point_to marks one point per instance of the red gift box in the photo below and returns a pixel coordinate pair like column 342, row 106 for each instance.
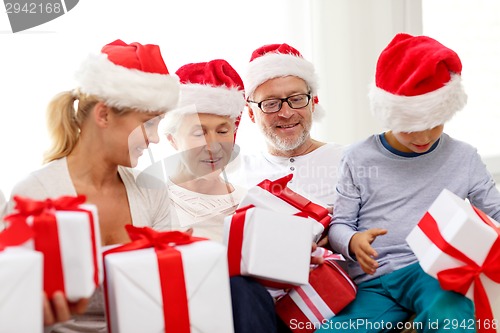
column 306, row 307
column 277, row 196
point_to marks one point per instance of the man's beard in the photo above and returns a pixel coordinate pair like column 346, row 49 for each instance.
column 286, row 144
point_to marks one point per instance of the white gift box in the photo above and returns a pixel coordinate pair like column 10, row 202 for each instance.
column 461, row 227
column 274, row 246
column 21, row 291
column 79, row 251
column 135, row 298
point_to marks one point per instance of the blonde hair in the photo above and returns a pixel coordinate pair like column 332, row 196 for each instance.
column 64, row 121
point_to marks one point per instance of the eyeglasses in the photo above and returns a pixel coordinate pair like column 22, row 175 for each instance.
column 273, row 105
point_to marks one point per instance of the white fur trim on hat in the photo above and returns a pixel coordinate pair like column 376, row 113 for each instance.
column 273, row 65
column 418, row 113
column 319, row 112
column 121, row 87
column 220, row 101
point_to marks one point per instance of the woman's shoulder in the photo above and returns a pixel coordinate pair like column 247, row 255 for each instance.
column 143, row 186
column 47, row 181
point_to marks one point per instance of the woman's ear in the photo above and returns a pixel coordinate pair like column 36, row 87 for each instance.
column 171, row 139
column 101, row 114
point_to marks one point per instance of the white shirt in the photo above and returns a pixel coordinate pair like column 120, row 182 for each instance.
column 204, row 213
column 314, row 174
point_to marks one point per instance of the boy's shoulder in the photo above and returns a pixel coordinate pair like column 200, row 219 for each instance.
column 373, row 141
column 366, row 144
column 460, row 145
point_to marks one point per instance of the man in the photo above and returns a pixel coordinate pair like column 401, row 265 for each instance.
column 281, row 91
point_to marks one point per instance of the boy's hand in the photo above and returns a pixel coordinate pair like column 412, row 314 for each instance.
column 360, row 246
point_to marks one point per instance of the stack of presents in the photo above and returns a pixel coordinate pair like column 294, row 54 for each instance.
column 166, row 281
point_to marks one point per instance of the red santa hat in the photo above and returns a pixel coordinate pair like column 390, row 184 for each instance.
column 129, row 76
column 417, row 84
column 280, row 60
column 212, row 87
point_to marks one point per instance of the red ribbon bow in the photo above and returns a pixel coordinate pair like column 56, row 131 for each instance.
column 461, row 278
column 26, row 206
column 16, row 233
column 46, row 236
column 173, row 285
column 279, row 189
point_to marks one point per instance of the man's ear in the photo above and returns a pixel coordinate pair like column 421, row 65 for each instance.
column 171, row 139
column 251, row 114
column 101, row 114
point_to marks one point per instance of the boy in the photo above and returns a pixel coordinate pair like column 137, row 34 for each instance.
column 387, row 183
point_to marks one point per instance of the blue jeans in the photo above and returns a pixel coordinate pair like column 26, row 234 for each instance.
column 253, row 306
column 385, row 303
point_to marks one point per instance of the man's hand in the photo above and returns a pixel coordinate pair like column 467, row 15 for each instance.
column 58, row 309
column 316, row 260
column 360, row 246
column 323, row 242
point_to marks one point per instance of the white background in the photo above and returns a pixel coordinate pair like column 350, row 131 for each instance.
column 38, row 63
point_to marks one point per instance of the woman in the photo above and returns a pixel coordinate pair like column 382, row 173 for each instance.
column 202, row 131
column 122, row 94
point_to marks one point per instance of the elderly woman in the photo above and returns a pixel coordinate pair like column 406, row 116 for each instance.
column 202, row 131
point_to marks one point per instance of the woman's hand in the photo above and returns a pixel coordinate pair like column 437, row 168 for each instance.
column 58, row 309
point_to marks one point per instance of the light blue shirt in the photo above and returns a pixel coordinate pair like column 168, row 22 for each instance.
column 378, row 188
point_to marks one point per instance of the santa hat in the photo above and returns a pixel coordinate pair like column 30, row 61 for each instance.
column 417, row 84
column 212, row 87
column 129, row 76
column 280, row 60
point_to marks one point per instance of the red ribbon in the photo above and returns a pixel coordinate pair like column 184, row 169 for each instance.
column 173, row 285
column 235, row 241
column 279, row 189
column 461, row 278
column 16, row 233
column 46, row 236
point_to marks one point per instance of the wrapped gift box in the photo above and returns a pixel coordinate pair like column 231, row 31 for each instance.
column 134, row 287
column 66, row 232
column 276, row 196
column 21, row 291
column 305, row 308
column 271, row 246
column 455, row 238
